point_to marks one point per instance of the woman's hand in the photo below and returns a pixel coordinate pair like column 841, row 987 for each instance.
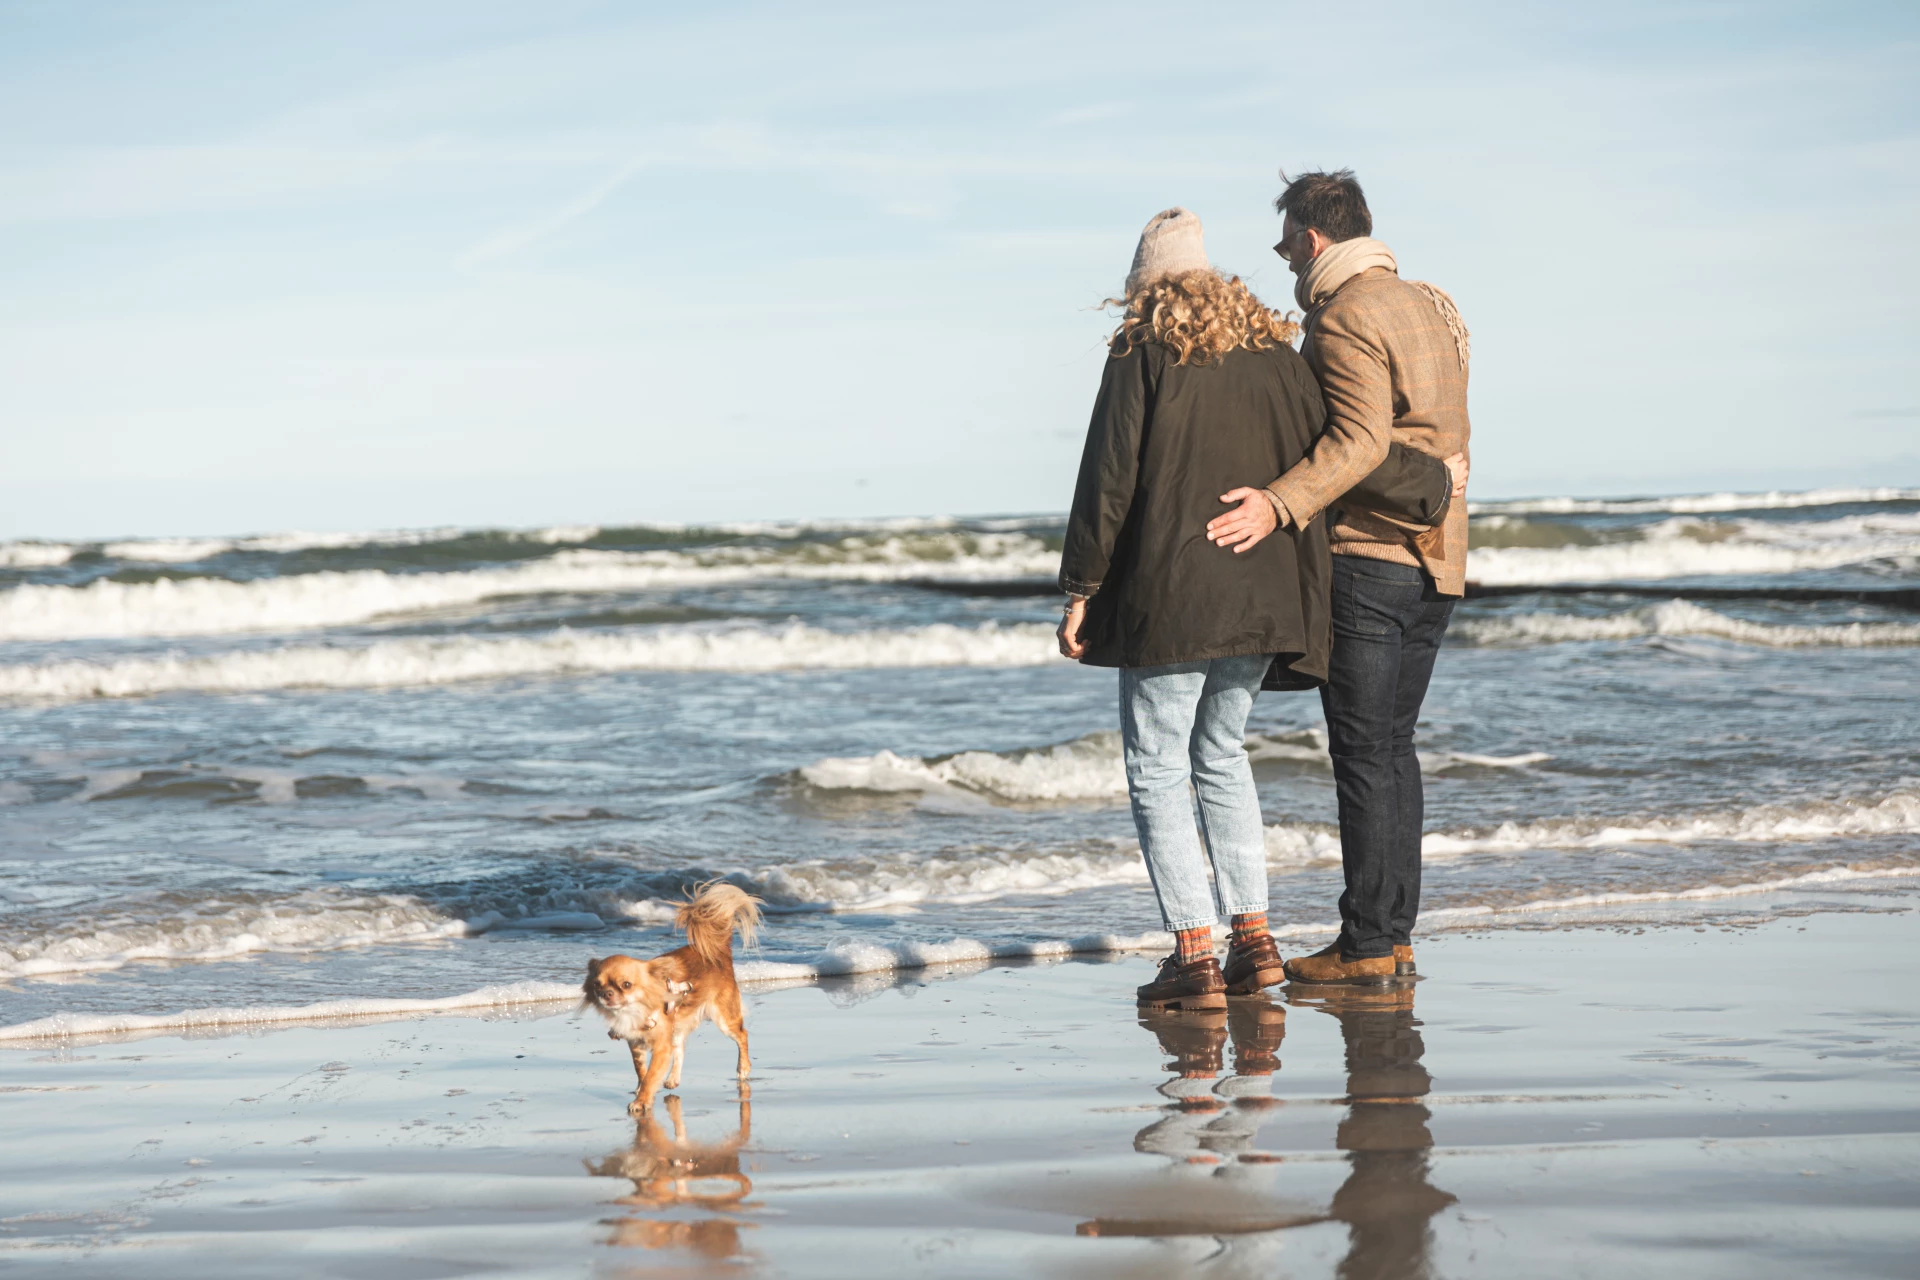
column 1071, row 646
column 1457, row 467
column 1243, row 527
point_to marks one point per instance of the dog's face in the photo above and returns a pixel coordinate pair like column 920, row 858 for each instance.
column 621, row 985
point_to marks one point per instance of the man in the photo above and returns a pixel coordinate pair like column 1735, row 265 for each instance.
column 1391, row 360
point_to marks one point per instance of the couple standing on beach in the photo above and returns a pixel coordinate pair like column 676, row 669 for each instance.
column 1335, row 566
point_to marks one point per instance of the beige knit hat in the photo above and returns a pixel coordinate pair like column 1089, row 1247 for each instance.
column 1170, row 246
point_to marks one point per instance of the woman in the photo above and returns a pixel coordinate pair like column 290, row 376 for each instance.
column 1202, row 393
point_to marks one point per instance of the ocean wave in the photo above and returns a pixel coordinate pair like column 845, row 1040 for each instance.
column 419, row 661
column 1896, row 814
column 858, row 958
column 226, row 928
column 1679, row 618
column 1084, row 769
column 1087, row 768
column 1697, row 503
column 1677, row 553
column 595, row 896
column 213, row 606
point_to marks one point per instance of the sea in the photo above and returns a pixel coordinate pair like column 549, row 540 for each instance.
column 272, row 776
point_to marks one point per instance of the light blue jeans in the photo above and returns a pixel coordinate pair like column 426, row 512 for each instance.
column 1181, row 724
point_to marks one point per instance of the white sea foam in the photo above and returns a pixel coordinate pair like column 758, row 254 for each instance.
column 427, row 661
column 1697, row 503
column 1680, row 618
column 852, row 959
column 1083, row 769
column 1688, row 548
column 34, row 555
column 1896, row 814
column 71, row 1025
column 1443, row 916
column 210, row 606
column 1089, row 768
column 318, row 920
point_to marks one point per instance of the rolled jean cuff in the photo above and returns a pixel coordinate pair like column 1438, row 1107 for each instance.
column 1196, row 923
column 1254, row 909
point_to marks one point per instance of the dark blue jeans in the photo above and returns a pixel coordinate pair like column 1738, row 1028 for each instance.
column 1387, row 626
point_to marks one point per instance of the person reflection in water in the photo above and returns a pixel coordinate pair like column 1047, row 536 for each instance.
column 1386, row 1200
column 669, row 1171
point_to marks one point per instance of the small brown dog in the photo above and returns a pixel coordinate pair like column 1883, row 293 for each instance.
column 654, row 1005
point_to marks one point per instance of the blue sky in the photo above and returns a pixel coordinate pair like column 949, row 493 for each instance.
column 271, row 265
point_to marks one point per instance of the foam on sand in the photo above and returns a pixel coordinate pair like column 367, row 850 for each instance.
column 1680, row 618
column 433, row 661
column 853, row 959
column 213, row 606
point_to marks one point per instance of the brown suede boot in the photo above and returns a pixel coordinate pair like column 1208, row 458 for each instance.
column 1327, row 965
column 1403, row 962
column 1186, row 987
column 1252, row 963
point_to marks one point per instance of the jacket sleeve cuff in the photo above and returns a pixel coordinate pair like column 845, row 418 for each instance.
column 1293, row 498
column 1075, row 587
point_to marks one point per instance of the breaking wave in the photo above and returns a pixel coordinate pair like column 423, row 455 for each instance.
column 389, row 663
column 214, row 606
column 1689, row 548
column 598, row 896
column 1695, row 504
column 1897, row 814
column 1088, row 768
column 1680, row 618
column 852, row 959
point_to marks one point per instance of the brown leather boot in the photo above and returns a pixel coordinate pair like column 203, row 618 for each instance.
column 1252, row 964
column 1326, row 965
column 1186, row 987
column 1403, row 962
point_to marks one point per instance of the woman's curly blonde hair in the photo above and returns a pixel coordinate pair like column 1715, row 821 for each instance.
column 1199, row 316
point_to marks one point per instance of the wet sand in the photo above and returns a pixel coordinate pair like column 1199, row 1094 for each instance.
column 1735, row 1103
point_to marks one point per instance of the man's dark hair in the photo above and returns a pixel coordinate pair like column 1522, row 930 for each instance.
column 1330, row 203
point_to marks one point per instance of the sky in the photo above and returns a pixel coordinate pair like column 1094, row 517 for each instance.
column 271, row 265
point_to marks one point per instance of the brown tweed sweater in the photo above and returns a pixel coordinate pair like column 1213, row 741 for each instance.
column 1390, row 370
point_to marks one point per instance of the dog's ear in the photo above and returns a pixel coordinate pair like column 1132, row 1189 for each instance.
column 593, row 967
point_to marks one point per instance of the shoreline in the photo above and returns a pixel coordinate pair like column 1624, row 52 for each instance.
column 871, row 959
column 1741, row 1103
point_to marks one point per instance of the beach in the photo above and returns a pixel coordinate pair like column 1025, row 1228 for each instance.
column 306, row 839
column 1737, row 1101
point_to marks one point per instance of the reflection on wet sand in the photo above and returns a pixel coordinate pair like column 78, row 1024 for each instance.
column 1386, row 1201
column 669, row 1171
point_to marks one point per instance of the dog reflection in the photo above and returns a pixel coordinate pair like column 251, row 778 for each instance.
column 668, row 1170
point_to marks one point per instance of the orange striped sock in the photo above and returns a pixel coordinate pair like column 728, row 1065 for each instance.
column 1194, row 944
column 1250, row 925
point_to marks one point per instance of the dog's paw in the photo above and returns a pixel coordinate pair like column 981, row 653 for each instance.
column 639, row 1107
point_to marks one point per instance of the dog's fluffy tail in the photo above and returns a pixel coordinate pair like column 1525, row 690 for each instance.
column 713, row 913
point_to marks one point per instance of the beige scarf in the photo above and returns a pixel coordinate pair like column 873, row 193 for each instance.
column 1341, row 262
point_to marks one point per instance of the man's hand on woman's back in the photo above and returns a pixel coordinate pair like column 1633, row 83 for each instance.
column 1251, row 519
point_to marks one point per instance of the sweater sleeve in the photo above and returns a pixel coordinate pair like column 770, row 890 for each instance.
column 1109, row 469
column 1351, row 365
